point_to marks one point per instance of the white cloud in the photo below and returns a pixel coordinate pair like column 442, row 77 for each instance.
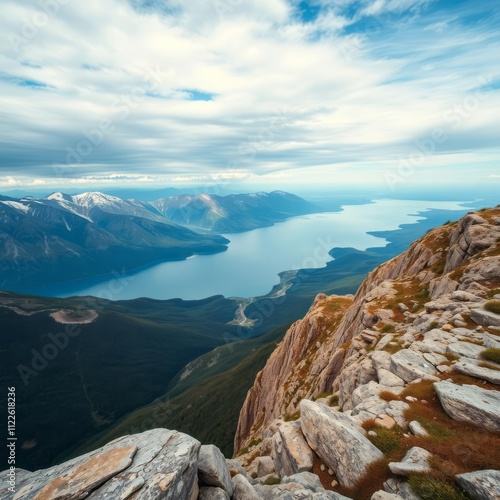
column 287, row 95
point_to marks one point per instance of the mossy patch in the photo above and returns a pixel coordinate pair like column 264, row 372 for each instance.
column 430, row 488
column 491, row 354
column 493, row 306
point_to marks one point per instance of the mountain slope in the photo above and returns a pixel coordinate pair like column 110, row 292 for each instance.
column 233, row 213
column 66, row 237
column 209, row 419
column 423, row 317
column 81, row 364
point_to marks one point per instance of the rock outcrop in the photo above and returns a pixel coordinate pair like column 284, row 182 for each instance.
column 469, row 403
column 291, row 451
column 279, row 389
column 421, row 320
column 338, row 441
column 484, row 484
column 155, row 464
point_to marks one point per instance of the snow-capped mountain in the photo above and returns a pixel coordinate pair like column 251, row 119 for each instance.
column 61, row 237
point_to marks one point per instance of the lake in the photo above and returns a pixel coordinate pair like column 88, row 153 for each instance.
column 251, row 265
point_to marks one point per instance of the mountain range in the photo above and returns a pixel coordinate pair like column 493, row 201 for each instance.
column 233, row 213
column 63, row 237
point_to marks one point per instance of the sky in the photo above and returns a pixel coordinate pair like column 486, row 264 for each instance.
column 272, row 92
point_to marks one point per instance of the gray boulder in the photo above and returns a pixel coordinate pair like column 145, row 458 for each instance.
column 338, row 441
column 243, row 490
column 484, row 317
column 469, row 403
column 388, row 379
column 296, row 491
column 410, row 365
column 155, row 464
column 213, row 469
column 474, row 370
column 265, row 466
column 417, row 430
column 465, row 349
column 291, row 451
column 308, row 480
column 208, row 493
column 481, row 485
column 416, row 461
column 491, row 341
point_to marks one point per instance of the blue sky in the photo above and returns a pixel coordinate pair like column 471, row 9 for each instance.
column 269, row 92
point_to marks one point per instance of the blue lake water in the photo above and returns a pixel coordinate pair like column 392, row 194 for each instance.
column 251, row 265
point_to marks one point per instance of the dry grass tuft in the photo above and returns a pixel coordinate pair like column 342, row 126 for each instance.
column 389, row 396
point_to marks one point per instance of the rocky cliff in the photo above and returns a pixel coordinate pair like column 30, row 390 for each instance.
column 389, row 394
column 394, row 382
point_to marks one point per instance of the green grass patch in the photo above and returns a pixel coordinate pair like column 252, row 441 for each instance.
column 291, row 417
column 430, row 488
column 272, row 480
column 333, row 400
column 322, row 395
column 492, row 354
column 387, row 440
column 254, row 442
column 388, row 328
column 493, row 306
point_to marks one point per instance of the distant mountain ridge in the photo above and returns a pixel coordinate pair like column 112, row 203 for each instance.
column 60, row 236
column 43, row 240
column 235, row 212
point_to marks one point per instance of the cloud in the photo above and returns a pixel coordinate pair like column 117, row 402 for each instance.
column 169, row 91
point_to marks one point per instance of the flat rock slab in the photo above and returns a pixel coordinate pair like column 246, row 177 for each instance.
column 477, row 371
column 491, row 341
column 338, row 441
column 155, row 464
column 484, row 317
column 468, row 403
column 88, row 476
column 481, row 485
column 410, row 365
column 465, row 349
